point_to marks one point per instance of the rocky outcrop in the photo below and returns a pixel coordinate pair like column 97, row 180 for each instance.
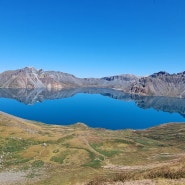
column 160, row 84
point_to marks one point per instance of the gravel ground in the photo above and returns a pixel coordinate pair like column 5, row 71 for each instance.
column 10, row 177
column 150, row 182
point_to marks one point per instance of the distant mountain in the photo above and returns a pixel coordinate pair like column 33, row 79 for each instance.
column 157, row 84
column 30, row 78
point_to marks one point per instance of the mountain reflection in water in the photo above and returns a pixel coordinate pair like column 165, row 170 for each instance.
column 165, row 104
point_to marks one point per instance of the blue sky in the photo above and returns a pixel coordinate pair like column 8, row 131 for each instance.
column 93, row 38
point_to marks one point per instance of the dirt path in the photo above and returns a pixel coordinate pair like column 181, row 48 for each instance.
column 143, row 167
column 139, row 167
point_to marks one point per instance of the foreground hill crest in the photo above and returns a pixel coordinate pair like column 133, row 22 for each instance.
column 157, row 84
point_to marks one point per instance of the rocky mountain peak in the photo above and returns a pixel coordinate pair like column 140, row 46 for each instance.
column 160, row 73
column 30, row 70
column 127, row 77
column 181, row 74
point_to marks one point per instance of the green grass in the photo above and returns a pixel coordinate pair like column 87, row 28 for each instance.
column 24, row 167
column 14, row 145
column 95, row 161
column 106, row 153
column 37, row 164
column 60, row 158
column 93, row 164
column 16, row 161
column 63, row 139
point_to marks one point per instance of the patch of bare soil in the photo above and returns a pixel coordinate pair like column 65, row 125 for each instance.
column 144, row 167
column 11, row 177
column 149, row 182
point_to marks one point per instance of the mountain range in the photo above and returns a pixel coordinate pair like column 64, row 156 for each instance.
column 157, row 84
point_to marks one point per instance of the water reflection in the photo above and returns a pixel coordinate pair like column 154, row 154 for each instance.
column 166, row 104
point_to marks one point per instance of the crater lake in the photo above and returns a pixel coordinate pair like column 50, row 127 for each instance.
column 97, row 108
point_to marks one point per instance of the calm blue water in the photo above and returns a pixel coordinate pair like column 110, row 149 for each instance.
column 92, row 109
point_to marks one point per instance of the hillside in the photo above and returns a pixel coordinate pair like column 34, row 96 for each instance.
column 36, row 153
column 160, row 84
column 30, row 78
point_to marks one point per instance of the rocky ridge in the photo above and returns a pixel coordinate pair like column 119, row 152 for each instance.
column 30, row 78
column 160, row 84
column 157, row 84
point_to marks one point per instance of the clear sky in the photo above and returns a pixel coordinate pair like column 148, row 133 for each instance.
column 93, row 38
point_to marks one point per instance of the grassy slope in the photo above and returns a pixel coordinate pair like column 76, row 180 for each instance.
column 78, row 154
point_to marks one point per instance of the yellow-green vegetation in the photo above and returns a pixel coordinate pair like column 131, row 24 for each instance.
column 77, row 154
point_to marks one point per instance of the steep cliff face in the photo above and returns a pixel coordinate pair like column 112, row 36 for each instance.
column 120, row 82
column 160, row 84
column 31, row 78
